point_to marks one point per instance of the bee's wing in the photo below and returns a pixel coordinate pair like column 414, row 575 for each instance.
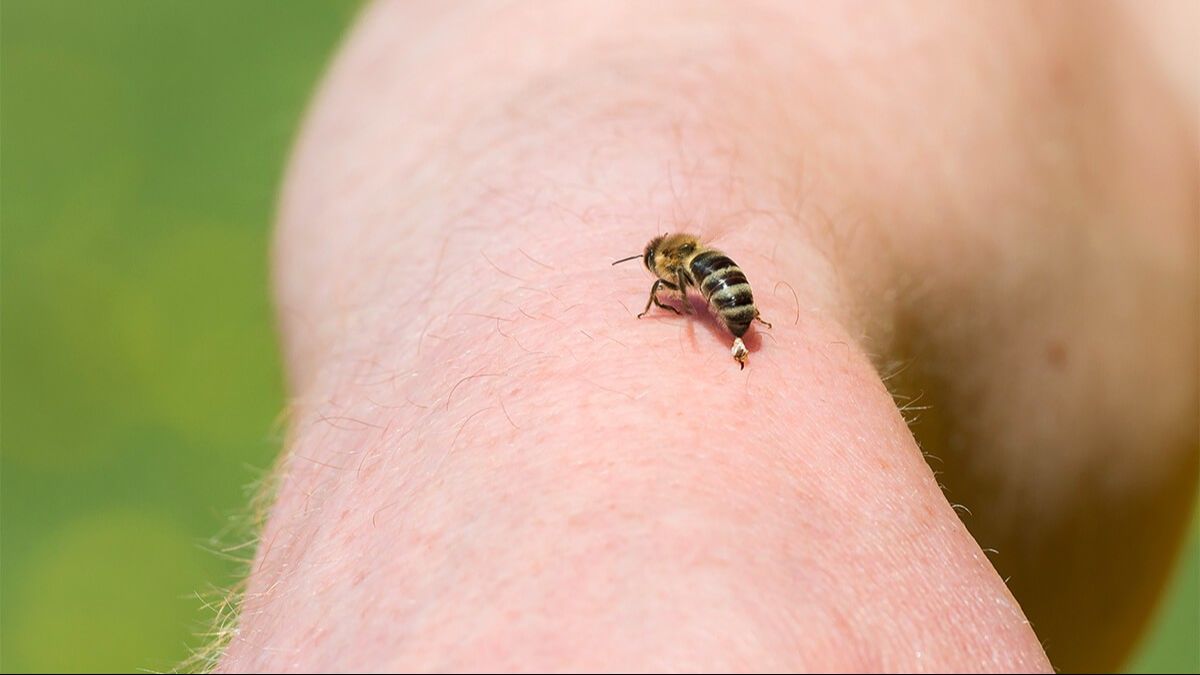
column 715, row 227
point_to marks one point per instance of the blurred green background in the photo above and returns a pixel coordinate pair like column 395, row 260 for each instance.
column 141, row 147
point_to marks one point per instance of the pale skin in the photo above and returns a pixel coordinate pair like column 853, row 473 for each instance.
column 493, row 464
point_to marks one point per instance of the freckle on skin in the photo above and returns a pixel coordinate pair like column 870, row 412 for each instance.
column 1056, row 353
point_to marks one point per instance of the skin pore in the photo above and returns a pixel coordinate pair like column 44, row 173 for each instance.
column 977, row 219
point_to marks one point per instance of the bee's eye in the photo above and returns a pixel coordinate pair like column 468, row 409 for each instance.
column 650, row 259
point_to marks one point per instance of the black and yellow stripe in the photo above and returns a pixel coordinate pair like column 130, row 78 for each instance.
column 725, row 288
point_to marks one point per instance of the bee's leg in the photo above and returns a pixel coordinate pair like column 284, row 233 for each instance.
column 671, row 286
column 654, row 298
column 681, row 281
column 758, row 318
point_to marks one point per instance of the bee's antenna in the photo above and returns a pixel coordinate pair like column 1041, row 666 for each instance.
column 632, row 257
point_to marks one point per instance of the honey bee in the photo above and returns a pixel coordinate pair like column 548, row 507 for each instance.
column 680, row 261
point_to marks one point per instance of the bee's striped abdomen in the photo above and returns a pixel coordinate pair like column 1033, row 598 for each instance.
column 725, row 288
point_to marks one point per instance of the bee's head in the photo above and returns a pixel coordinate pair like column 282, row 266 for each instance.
column 651, row 250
